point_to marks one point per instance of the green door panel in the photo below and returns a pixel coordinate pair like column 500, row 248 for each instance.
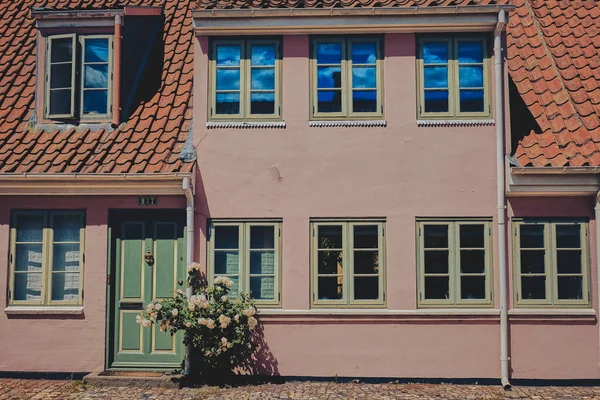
column 138, row 282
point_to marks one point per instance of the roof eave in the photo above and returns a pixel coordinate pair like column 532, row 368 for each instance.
column 20, row 184
column 347, row 20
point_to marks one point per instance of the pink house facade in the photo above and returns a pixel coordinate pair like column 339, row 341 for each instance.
column 368, row 172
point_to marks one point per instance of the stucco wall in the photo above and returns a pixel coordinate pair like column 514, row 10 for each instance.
column 399, row 172
column 63, row 343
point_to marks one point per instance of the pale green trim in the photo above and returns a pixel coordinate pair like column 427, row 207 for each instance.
column 454, row 272
column 245, row 91
column 243, row 249
column 550, row 263
column 347, row 249
column 48, row 75
column 109, row 98
column 47, row 259
column 453, row 78
column 346, row 43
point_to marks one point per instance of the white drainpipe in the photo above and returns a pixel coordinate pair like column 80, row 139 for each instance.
column 189, row 211
column 597, row 217
column 502, row 265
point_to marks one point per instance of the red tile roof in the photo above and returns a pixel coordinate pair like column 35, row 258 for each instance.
column 150, row 141
column 228, row 4
column 554, row 62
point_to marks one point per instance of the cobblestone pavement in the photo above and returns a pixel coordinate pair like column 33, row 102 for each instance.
column 68, row 390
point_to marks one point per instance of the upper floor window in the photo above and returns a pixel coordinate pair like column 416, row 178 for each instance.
column 248, row 253
column 78, row 77
column 46, row 258
column 551, row 263
column 245, row 79
column 454, row 263
column 453, row 79
column 346, row 78
column 347, row 263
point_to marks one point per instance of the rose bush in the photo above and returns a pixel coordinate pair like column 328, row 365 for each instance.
column 218, row 327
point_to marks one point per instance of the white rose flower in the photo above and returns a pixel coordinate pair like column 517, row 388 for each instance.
column 188, row 324
column 252, row 322
column 146, row 323
column 224, row 299
column 223, row 340
column 174, row 312
column 157, row 306
column 236, row 318
column 210, row 324
column 150, row 307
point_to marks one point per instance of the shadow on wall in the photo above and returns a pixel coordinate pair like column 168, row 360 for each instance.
column 263, row 362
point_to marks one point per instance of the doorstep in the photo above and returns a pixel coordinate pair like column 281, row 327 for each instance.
column 142, row 379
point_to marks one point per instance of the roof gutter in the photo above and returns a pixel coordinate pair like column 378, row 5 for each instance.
column 555, row 170
column 346, row 20
column 330, row 12
column 91, row 184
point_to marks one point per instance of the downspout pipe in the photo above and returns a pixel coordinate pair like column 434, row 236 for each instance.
column 189, row 256
column 501, row 207
column 597, row 221
column 116, row 86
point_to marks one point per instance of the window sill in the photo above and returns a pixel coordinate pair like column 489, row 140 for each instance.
column 455, row 122
column 43, row 310
column 342, row 123
column 245, row 124
column 558, row 312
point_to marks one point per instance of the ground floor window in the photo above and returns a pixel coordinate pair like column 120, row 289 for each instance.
column 347, row 263
column 46, row 257
column 551, row 262
column 248, row 253
column 454, row 262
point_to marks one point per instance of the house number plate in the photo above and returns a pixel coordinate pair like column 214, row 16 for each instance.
column 148, row 201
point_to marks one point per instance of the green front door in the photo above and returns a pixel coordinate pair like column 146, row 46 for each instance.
column 137, row 280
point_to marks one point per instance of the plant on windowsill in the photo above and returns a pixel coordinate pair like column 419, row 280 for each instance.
column 220, row 329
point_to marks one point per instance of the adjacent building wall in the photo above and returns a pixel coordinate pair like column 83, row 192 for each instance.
column 59, row 343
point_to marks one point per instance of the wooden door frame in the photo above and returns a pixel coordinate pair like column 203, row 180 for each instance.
column 117, row 216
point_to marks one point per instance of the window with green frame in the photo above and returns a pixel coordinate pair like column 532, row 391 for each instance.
column 551, row 263
column 453, row 77
column 88, row 57
column 245, row 79
column 346, row 78
column 454, row 263
column 46, row 258
column 347, row 263
column 248, row 253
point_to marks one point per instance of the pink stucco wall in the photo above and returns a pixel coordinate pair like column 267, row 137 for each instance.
column 399, row 172
column 62, row 343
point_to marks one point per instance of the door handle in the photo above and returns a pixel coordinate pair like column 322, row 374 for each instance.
column 131, row 306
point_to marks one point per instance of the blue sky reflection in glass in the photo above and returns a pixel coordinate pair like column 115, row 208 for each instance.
column 435, row 76
column 470, row 76
column 228, row 79
column 95, row 76
column 364, row 76
column 329, row 77
column 262, row 79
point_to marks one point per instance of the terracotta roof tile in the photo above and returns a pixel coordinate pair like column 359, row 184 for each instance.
column 565, row 100
column 27, row 147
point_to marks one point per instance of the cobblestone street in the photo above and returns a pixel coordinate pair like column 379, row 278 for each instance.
column 50, row 389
